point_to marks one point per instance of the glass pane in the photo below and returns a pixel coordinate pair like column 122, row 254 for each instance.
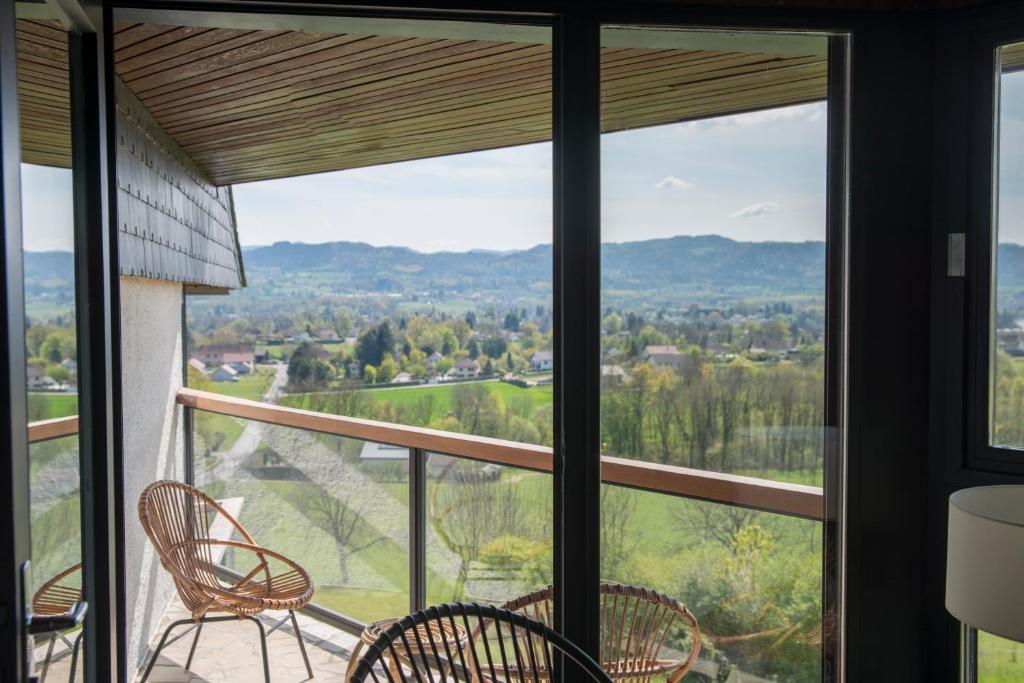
column 713, row 337
column 1007, row 428
column 488, row 531
column 338, row 507
column 414, row 288
column 999, row 660
column 50, row 336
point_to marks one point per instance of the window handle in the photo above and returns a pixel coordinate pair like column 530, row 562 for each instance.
column 58, row 622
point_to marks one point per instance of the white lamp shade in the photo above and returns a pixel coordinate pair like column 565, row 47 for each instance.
column 985, row 559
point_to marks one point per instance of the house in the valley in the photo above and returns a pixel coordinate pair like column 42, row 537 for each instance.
column 38, row 379
column 465, row 369
column 433, row 358
column 543, row 360
column 666, row 356
column 197, row 365
column 401, row 378
column 612, row 375
column 219, row 354
column 328, row 336
column 225, row 373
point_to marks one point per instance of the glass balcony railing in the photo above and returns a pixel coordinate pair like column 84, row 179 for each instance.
column 389, row 518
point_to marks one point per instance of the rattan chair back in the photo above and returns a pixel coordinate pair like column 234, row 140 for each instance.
column 635, row 622
column 502, row 646
column 60, row 593
column 177, row 519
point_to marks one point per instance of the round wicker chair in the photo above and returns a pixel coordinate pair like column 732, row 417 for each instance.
column 57, row 596
column 506, row 646
column 177, row 519
column 634, row 624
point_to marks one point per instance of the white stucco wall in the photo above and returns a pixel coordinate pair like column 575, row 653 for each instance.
column 151, row 365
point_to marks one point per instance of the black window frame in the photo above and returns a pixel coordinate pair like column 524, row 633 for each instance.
column 985, row 72
column 576, row 206
column 576, row 268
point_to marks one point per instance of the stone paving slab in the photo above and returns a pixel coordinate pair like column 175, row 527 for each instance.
column 230, row 652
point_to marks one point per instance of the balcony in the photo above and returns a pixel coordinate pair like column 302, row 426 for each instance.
column 386, row 530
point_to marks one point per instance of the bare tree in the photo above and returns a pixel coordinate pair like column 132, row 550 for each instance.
column 470, row 508
column 618, row 540
column 341, row 519
column 709, row 521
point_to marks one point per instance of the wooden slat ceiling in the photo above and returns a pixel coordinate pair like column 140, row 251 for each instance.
column 255, row 104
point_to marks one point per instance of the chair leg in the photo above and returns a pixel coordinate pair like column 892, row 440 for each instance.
column 74, row 657
column 192, row 650
column 46, row 660
column 302, row 645
column 163, row 640
column 263, row 647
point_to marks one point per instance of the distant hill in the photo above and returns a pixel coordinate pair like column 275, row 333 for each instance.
column 707, row 263
column 708, row 266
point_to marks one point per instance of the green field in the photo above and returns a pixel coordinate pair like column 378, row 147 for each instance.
column 999, row 660
column 520, row 401
column 284, row 351
column 48, row 406
column 210, row 426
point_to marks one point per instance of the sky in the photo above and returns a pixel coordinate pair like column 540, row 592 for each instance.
column 758, row 176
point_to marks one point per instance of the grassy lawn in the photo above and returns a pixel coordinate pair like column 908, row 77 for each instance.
column 210, row 426
column 999, row 660
column 251, row 387
column 47, row 406
column 519, row 401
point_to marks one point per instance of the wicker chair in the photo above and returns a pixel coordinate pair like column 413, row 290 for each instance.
column 634, row 624
column 59, row 596
column 506, row 647
column 177, row 519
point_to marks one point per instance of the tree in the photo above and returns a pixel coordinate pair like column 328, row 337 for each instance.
column 495, row 347
column 618, row 543
column 469, row 509
column 305, row 370
column 443, row 365
column 474, row 349
column 387, row 370
column 471, row 319
column 370, row 374
column 511, row 322
column 58, row 373
column 612, row 323
column 341, row 519
column 373, row 344
column 50, row 349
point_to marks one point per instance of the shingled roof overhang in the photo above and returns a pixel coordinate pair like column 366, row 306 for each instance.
column 251, row 100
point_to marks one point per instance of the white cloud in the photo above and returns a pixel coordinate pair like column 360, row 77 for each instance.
column 811, row 113
column 670, row 182
column 754, row 210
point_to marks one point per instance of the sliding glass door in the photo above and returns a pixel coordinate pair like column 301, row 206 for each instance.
column 716, row 324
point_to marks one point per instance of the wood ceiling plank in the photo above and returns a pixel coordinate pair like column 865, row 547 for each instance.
column 137, row 33
column 520, row 73
column 171, row 40
column 243, row 63
column 366, row 79
column 394, row 109
column 477, row 118
column 306, row 98
column 285, row 77
column 213, row 42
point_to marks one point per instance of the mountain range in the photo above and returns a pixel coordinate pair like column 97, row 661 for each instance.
column 709, row 266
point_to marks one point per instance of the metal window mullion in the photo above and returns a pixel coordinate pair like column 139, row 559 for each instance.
column 417, row 529
column 577, row 300
column 96, row 294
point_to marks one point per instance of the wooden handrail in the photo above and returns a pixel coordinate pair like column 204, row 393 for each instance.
column 795, row 500
column 45, row 430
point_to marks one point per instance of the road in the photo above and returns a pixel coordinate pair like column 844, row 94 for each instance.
column 229, row 465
